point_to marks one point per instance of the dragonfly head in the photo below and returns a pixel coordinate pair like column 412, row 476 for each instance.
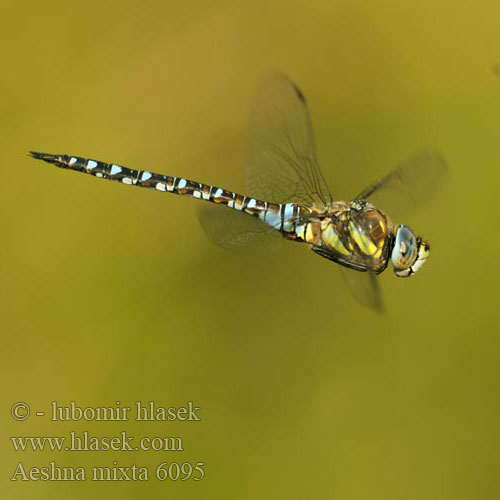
column 409, row 252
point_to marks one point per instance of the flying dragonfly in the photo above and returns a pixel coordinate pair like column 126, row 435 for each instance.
column 290, row 197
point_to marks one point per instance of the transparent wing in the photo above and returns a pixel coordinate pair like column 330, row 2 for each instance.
column 412, row 183
column 236, row 231
column 282, row 164
column 364, row 287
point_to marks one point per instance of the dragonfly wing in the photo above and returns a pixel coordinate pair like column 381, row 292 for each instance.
column 282, row 165
column 236, row 231
column 364, row 287
column 412, row 183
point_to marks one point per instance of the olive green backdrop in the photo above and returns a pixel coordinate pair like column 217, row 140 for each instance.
column 110, row 293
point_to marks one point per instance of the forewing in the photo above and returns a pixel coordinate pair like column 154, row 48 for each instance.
column 364, row 287
column 282, row 164
column 412, row 183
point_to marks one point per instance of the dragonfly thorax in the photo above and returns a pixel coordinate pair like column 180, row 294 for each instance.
column 355, row 234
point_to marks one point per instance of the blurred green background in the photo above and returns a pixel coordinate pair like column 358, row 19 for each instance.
column 112, row 293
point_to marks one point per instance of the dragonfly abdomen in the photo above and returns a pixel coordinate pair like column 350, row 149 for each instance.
column 282, row 217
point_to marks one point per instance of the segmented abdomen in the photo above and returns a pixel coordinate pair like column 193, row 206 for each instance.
column 282, row 217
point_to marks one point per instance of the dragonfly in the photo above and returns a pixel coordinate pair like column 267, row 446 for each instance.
column 290, row 198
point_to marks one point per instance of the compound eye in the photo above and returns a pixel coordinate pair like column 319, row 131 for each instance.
column 405, row 248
